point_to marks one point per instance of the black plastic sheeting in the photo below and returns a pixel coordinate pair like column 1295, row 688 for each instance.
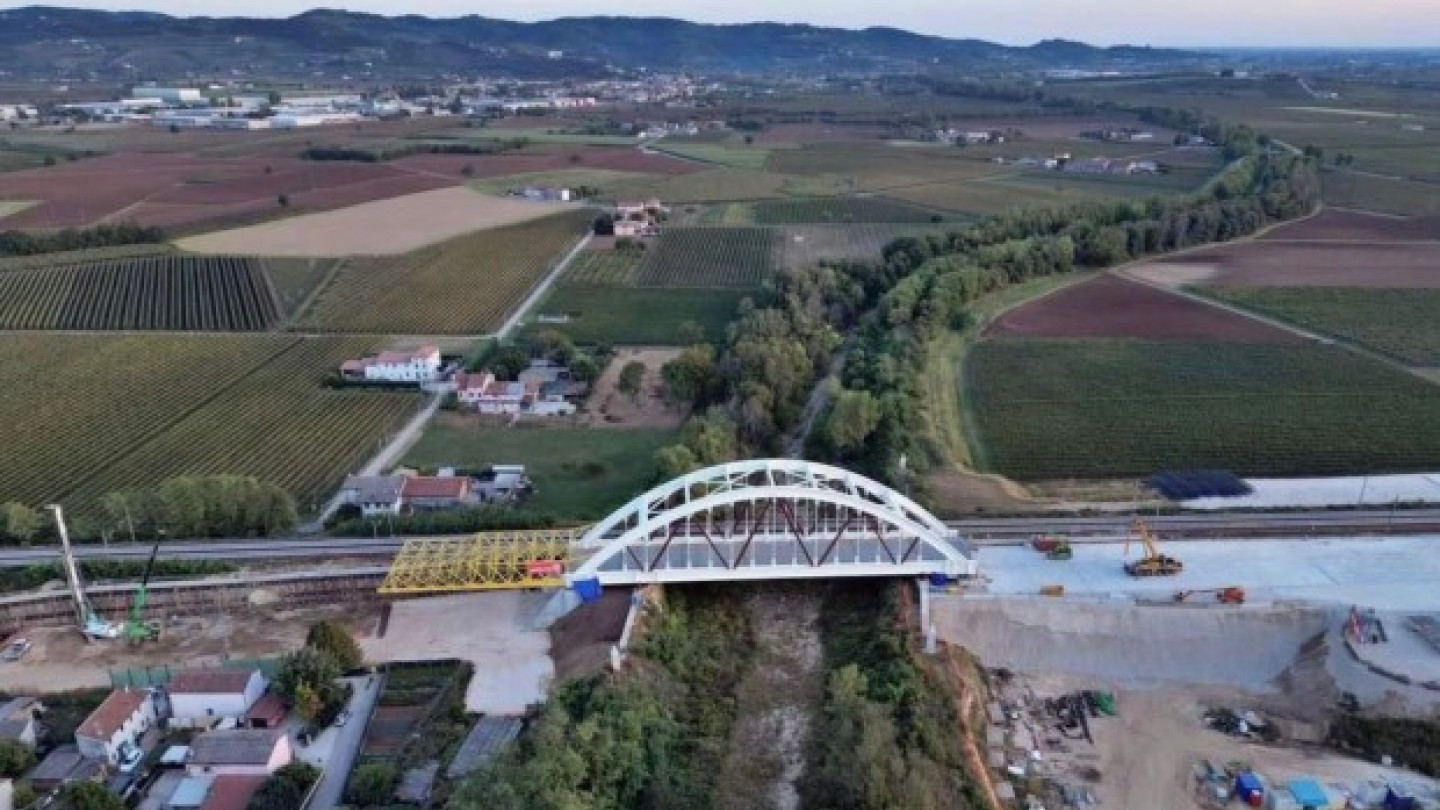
column 1183, row 486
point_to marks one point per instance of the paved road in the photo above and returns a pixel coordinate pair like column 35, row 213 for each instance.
column 540, row 289
column 387, row 457
column 346, row 746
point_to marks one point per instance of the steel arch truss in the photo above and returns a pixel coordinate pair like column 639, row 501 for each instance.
column 768, row 519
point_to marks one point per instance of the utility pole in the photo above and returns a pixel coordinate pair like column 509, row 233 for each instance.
column 72, row 572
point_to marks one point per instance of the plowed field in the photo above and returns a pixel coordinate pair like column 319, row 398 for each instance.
column 1113, row 307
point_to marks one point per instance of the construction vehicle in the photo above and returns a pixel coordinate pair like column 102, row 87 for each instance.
column 137, row 630
column 1152, row 563
column 1231, row 595
column 90, row 622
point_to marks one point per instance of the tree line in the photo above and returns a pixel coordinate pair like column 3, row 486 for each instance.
column 751, row 390
column 379, row 155
column 183, row 507
column 874, row 420
column 21, row 243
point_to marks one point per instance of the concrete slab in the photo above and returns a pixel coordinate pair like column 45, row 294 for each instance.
column 1392, row 573
column 491, row 630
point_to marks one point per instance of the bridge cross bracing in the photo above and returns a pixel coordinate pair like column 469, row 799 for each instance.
column 747, row 520
column 769, row 519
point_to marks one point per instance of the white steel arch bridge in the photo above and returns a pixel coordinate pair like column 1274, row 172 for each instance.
column 747, row 520
column 768, row 519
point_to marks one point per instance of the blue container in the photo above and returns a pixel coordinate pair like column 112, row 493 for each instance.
column 588, row 589
column 938, row 580
column 1250, row 789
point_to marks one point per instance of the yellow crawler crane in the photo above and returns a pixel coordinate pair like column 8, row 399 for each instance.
column 487, row 561
column 1152, row 563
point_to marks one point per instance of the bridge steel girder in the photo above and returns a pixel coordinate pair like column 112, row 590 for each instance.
column 814, row 520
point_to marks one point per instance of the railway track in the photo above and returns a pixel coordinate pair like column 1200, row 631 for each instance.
column 986, row 530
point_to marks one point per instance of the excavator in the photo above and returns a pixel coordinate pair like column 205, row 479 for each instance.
column 1231, row 595
column 1152, row 563
column 137, row 630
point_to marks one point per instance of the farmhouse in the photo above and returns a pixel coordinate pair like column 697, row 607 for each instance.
column 116, row 725
column 419, row 366
column 374, row 494
column 200, row 698
column 427, row 493
column 483, row 393
column 239, row 752
column 638, row 210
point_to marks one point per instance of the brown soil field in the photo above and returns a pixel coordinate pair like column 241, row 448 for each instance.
column 183, row 190
column 1302, row 264
column 1337, row 225
column 614, row 159
column 379, row 228
column 1113, row 307
column 608, row 408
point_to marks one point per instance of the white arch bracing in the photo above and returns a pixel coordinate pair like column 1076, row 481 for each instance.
column 768, row 519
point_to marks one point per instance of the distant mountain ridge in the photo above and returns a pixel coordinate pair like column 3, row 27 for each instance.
column 153, row 45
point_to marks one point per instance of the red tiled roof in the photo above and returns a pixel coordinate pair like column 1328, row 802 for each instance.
column 269, row 708
column 109, row 716
column 425, row 486
column 209, row 682
column 232, row 791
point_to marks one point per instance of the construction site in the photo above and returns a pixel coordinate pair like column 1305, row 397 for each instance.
column 1123, row 672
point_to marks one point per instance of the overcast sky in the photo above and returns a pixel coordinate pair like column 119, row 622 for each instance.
column 1352, row 23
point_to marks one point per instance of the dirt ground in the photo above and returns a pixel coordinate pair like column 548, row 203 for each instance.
column 491, row 630
column 957, row 492
column 63, row 659
column 1112, row 307
column 1334, row 225
column 1145, row 757
column 608, row 408
column 580, row 642
column 384, row 227
column 1302, row 264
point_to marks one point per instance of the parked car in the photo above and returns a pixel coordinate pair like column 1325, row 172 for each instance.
column 342, row 719
column 130, row 757
column 16, row 649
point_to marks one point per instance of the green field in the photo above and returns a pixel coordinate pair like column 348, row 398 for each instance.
column 807, row 245
column 612, row 267
column 711, row 257
column 580, row 474
column 466, row 285
column 87, row 415
column 638, row 316
column 715, row 185
column 603, row 179
column 1403, row 324
column 1104, row 409
column 295, row 279
column 159, row 293
column 1406, row 197
column 734, row 156
column 839, row 211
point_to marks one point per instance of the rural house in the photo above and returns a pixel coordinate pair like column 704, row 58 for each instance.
column 484, row 394
column 239, row 752
column 419, row 366
column 115, row 725
column 427, row 493
column 63, row 766
column 17, row 721
column 200, row 698
column 374, row 494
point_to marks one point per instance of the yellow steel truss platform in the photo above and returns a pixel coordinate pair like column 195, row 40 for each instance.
column 488, row 561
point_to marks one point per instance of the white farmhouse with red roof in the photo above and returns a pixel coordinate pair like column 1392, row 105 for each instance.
column 419, row 366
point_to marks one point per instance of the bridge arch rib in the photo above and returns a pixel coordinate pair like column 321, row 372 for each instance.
column 768, row 519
